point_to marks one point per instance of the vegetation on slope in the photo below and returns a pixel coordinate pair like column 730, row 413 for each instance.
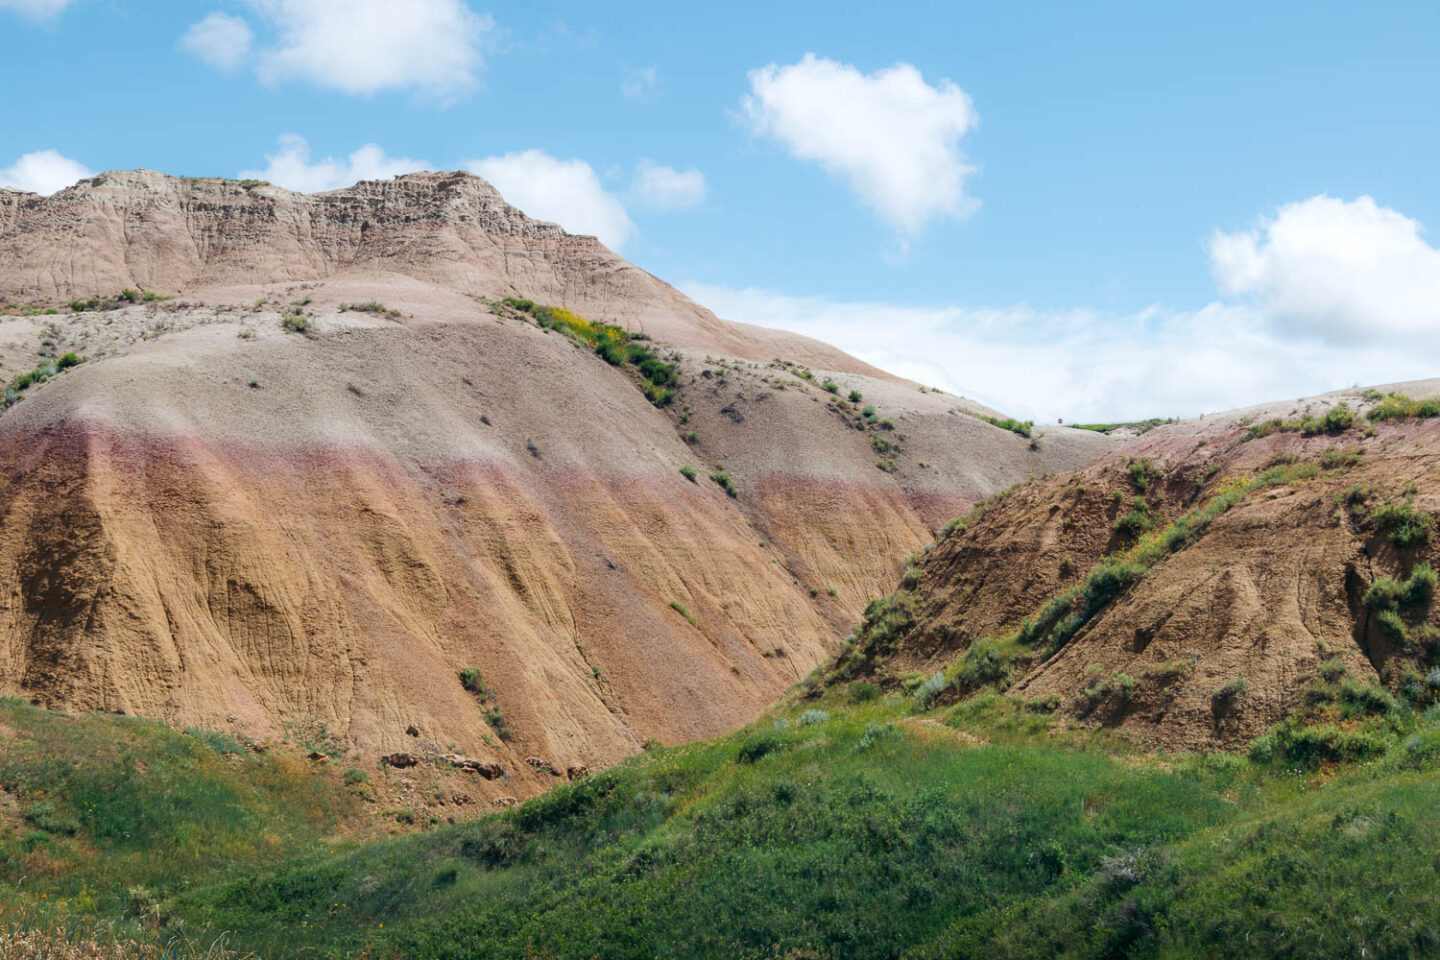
column 611, row 343
column 104, row 816
column 863, row 830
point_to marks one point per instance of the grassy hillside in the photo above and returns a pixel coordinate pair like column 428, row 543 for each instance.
column 861, row 827
column 866, row 830
column 102, row 818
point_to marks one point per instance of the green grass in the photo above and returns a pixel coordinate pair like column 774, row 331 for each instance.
column 1139, row 426
column 110, row 803
column 849, row 832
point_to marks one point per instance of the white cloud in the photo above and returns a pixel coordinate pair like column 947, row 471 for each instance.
column 1343, row 271
column 1078, row 365
column 44, row 171
column 292, row 168
column 666, row 188
column 220, row 40
column 36, row 9
column 891, row 136
column 356, row 46
column 567, row 192
column 640, row 83
column 1314, row 280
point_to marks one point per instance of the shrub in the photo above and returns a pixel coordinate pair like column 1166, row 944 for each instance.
column 679, row 608
column 1332, row 670
column 1404, row 523
column 1142, row 473
column 830, row 386
column 495, row 717
column 1313, row 745
column 926, row 693
column 69, row 360
column 855, row 396
column 355, row 776
column 692, row 438
column 880, row 444
column 1398, row 406
column 471, row 680
column 886, row 464
column 688, row 472
column 1388, row 593
column 757, row 746
column 868, row 413
column 1231, row 690
column 862, row 692
column 811, row 718
column 1021, row 427
column 611, row 352
column 1137, row 521
column 726, row 482
column 294, row 322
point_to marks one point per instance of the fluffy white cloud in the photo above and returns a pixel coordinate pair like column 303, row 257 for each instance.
column 666, row 188
column 44, row 171
column 890, row 135
column 220, row 40
column 292, row 168
column 567, row 192
column 640, row 82
column 1313, row 280
column 36, row 9
column 355, row 46
column 1078, row 365
column 1344, row 271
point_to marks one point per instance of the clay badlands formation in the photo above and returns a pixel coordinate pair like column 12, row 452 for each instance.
column 222, row 522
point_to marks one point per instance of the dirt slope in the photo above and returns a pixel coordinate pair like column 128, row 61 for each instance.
column 224, row 524
column 1264, row 592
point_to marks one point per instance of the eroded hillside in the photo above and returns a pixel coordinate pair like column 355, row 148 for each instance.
column 1195, row 586
column 320, row 460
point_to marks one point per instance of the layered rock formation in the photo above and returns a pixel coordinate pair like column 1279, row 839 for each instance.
column 221, row 523
column 1215, row 569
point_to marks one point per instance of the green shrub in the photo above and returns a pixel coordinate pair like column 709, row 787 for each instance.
column 688, row 472
column 1231, row 690
column 726, row 482
column 862, row 692
column 1021, row 427
column 69, row 360
column 1404, row 523
column 855, row 396
column 811, row 718
column 830, row 386
column 868, row 413
column 757, row 746
column 495, row 717
column 294, row 322
column 355, row 776
column 1134, row 523
column 679, row 608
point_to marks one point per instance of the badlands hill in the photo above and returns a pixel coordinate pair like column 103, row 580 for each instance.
column 258, row 508
column 1198, row 584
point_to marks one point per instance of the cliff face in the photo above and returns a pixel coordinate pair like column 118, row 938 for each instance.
column 150, row 231
column 1188, row 588
column 221, row 523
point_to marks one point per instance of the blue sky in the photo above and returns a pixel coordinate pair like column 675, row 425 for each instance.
column 1099, row 210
